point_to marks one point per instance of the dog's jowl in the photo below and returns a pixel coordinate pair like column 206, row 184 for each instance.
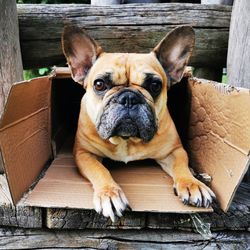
column 124, row 114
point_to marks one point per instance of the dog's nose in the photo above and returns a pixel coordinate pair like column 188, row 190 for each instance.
column 129, row 99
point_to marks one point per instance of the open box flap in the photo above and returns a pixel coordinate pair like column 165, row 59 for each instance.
column 25, row 133
column 219, row 134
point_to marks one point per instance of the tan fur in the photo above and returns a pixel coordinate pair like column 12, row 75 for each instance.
column 128, row 70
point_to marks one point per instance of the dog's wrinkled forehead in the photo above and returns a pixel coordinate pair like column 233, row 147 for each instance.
column 86, row 58
column 126, row 68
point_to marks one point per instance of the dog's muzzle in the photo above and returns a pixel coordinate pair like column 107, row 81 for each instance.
column 127, row 114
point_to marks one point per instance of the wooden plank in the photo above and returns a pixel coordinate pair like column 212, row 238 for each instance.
column 20, row 216
column 239, row 45
column 119, row 239
column 226, row 2
column 238, row 58
column 237, row 218
column 10, row 55
column 123, row 28
column 105, row 2
column 89, row 219
column 11, row 69
column 210, row 73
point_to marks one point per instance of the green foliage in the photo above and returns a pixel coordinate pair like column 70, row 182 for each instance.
column 224, row 78
column 43, row 71
column 32, row 73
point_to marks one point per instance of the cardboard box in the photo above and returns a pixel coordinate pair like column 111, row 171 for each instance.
column 39, row 123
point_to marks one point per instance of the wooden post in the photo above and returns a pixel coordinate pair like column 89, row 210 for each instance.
column 11, row 68
column 238, row 57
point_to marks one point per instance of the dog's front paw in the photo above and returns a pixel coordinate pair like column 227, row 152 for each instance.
column 193, row 192
column 109, row 199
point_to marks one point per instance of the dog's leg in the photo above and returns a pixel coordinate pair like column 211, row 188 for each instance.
column 107, row 193
column 188, row 188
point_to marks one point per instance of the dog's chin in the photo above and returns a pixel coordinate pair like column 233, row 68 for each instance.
column 129, row 129
column 126, row 129
column 141, row 127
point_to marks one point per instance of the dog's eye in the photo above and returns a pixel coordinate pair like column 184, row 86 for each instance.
column 155, row 87
column 100, row 85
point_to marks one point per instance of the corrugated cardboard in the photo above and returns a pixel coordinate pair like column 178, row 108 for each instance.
column 25, row 139
column 219, row 135
column 212, row 119
column 145, row 184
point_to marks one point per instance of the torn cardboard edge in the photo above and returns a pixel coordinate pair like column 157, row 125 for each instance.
column 218, row 143
column 218, row 129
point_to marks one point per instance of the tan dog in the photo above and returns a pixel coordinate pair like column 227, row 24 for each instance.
column 124, row 114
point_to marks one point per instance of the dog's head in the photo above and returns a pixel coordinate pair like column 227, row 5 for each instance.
column 126, row 93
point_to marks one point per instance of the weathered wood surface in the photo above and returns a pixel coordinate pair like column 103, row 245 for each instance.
column 105, row 2
column 239, row 45
column 237, row 218
column 10, row 55
column 11, row 69
column 238, row 58
column 226, row 2
column 119, row 239
column 123, row 28
column 28, row 217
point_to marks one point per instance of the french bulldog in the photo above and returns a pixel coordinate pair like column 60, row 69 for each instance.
column 124, row 116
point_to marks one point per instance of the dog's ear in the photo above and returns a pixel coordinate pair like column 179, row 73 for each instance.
column 174, row 51
column 80, row 50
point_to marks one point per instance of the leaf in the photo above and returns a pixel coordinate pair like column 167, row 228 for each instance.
column 43, row 71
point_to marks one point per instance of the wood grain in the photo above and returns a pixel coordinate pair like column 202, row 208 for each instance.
column 123, row 28
column 238, row 58
column 19, row 216
column 10, row 55
column 237, row 218
column 119, row 239
column 11, row 69
column 239, row 45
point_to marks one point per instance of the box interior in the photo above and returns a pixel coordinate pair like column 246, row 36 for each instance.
column 212, row 120
column 66, row 98
column 145, row 184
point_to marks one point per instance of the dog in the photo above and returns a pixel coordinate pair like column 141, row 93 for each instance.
column 124, row 116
